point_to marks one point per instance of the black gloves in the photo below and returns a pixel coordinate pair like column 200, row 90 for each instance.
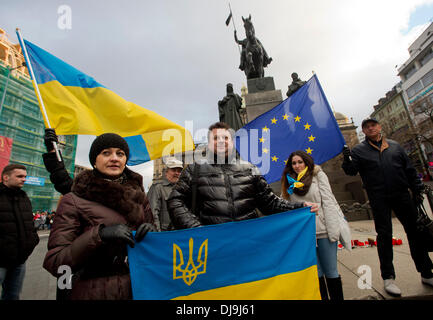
column 143, row 230
column 121, row 233
column 116, row 233
column 50, row 137
column 346, row 154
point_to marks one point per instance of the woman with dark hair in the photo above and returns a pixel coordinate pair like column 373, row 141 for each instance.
column 94, row 223
column 304, row 181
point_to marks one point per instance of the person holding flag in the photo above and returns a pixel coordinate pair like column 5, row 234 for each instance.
column 94, row 223
column 388, row 174
column 222, row 189
column 302, row 180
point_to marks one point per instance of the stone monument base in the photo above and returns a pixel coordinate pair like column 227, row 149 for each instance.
column 261, row 97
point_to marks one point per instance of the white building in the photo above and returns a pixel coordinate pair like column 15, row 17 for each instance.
column 417, row 83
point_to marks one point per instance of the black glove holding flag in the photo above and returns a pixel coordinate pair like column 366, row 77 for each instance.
column 346, row 154
column 50, row 137
column 116, row 233
column 143, row 230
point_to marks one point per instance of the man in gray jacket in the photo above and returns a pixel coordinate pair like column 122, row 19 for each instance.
column 159, row 192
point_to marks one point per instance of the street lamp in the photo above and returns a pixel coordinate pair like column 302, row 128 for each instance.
column 6, row 85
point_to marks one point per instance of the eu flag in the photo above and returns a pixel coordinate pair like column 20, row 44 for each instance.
column 304, row 121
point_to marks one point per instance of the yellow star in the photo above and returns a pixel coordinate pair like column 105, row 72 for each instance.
column 285, row 117
column 265, row 150
column 285, row 161
column 307, row 126
column 309, row 150
column 274, row 121
column 262, row 140
column 311, row 138
column 274, row 158
column 265, row 129
column 297, row 119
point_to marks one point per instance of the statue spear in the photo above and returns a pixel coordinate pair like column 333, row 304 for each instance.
column 230, row 17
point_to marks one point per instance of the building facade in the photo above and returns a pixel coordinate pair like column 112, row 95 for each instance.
column 416, row 75
column 394, row 117
column 21, row 120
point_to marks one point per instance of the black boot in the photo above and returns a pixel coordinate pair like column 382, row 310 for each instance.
column 335, row 288
column 323, row 288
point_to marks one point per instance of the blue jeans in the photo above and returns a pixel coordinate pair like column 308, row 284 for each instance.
column 12, row 280
column 327, row 258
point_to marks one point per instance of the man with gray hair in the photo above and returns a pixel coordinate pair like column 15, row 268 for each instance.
column 159, row 192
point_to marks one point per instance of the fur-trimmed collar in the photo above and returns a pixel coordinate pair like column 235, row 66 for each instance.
column 127, row 198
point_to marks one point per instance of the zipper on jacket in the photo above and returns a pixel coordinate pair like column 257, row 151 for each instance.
column 229, row 193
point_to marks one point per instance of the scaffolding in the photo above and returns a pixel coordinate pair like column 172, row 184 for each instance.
column 21, row 120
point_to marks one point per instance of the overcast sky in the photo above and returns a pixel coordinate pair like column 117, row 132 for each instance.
column 175, row 57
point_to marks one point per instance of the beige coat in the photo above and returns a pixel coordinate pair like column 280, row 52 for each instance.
column 327, row 220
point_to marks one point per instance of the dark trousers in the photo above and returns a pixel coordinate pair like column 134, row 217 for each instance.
column 405, row 211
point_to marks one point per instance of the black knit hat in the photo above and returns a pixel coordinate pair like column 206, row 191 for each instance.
column 105, row 141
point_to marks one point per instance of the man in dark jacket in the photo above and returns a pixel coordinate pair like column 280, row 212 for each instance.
column 18, row 236
column 226, row 189
column 387, row 175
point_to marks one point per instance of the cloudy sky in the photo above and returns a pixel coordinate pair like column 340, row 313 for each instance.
column 176, row 56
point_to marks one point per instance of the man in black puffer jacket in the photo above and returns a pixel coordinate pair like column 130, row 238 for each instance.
column 227, row 190
column 18, row 236
column 387, row 175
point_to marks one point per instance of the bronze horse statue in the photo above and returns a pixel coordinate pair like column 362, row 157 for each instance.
column 253, row 56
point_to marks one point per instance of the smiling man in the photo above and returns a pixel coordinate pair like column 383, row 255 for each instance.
column 18, row 236
column 387, row 175
column 222, row 189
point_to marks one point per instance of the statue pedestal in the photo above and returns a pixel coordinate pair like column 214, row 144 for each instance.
column 261, row 97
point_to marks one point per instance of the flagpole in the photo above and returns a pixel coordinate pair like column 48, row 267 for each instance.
column 35, row 85
column 234, row 25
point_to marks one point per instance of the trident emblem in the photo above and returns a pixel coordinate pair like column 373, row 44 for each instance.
column 189, row 272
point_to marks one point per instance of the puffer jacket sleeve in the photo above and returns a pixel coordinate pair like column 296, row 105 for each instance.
column 68, row 244
column 179, row 202
column 267, row 201
column 330, row 207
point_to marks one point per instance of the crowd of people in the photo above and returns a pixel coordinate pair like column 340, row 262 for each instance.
column 43, row 220
column 100, row 208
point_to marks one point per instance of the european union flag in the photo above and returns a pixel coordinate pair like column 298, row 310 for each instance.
column 304, row 121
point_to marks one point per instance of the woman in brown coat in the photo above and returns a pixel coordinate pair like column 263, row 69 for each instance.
column 94, row 222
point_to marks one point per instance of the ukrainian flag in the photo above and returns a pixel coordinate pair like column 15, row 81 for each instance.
column 77, row 104
column 268, row 258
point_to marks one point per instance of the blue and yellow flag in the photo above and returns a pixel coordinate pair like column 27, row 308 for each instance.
column 77, row 104
column 269, row 258
column 304, row 121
